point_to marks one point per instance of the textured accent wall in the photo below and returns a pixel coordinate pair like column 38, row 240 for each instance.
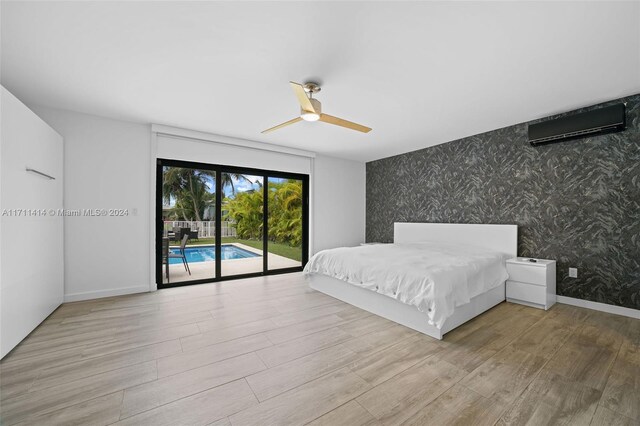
column 577, row 202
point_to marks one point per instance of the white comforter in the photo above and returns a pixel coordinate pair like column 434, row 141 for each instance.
column 433, row 277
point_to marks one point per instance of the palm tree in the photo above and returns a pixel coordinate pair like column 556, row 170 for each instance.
column 228, row 178
column 191, row 190
column 194, row 189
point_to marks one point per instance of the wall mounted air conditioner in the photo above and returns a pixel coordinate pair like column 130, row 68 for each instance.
column 609, row 119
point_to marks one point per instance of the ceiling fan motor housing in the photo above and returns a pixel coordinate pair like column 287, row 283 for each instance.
column 310, row 87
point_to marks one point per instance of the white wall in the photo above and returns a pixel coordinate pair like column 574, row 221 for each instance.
column 338, row 217
column 108, row 165
column 31, row 279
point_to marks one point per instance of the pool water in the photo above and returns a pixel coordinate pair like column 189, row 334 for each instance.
column 208, row 253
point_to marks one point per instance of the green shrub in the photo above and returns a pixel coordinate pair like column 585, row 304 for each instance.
column 245, row 210
column 285, row 213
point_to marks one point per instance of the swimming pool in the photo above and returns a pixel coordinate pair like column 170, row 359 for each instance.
column 208, row 253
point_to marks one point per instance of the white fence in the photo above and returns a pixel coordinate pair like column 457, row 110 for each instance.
column 206, row 229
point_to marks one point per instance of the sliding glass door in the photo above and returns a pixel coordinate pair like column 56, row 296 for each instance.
column 243, row 217
column 218, row 222
column 285, row 223
column 187, row 240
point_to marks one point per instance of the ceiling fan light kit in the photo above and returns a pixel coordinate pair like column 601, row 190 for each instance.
column 309, row 116
column 313, row 115
column 311, row 110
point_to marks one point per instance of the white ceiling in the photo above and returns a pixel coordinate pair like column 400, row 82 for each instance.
column 418, row 73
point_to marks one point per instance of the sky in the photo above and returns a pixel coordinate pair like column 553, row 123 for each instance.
column 255, row 182
column 243, row 185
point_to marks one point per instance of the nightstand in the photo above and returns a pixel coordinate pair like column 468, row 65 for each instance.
column 531, row 283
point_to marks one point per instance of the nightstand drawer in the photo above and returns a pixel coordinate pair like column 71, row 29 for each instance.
column 527, row 292
column 530, row 274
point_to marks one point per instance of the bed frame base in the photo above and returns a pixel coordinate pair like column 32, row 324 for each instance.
column 401, row 313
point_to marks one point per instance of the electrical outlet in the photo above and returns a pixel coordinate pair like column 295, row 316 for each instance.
column 573, row 272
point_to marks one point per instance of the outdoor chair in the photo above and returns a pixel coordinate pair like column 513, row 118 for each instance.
column 182, row 254
column 165, row 256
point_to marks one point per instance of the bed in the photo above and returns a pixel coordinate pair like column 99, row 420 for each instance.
column 433, row 278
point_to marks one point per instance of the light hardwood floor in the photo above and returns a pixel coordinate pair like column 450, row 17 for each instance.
column 272, row 351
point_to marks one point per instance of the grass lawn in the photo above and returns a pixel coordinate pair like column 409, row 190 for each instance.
column 283, row 250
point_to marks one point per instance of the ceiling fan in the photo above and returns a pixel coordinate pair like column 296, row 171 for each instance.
column 311, row 110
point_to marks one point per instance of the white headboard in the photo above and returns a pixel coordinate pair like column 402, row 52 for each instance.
column 502, row 238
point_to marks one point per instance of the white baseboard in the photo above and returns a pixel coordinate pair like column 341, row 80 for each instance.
column 76, row 297
column 596, row 306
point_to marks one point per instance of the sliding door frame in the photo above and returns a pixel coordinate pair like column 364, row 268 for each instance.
column 220, row 169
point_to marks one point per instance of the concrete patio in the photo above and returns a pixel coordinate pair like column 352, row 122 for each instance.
column 207, row 270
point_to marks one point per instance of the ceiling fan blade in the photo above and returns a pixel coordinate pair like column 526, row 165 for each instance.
column 303, row 99
column 344, row 123
column 279, row 126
